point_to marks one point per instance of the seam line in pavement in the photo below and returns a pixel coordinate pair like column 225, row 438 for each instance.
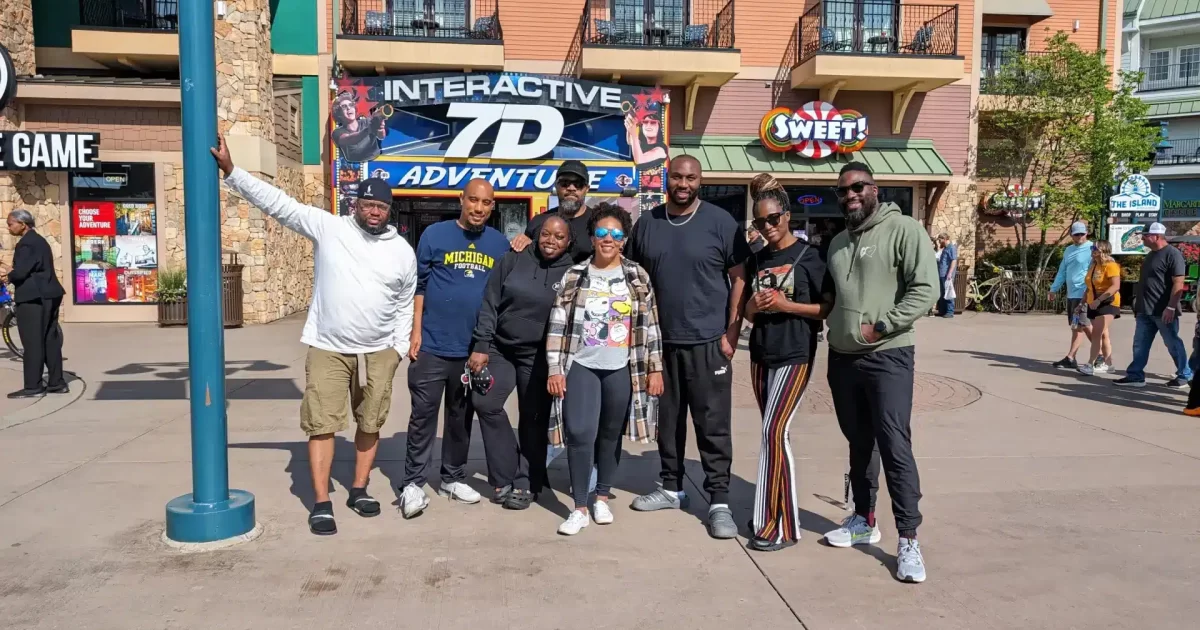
column 700, row 494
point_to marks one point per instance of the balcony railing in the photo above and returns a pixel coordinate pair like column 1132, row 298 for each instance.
column 878, row 28
column 423, row 19
column 994, row 60
column 1185, row 151
column 155, row 15
column 1170, row 77
column 659, row 23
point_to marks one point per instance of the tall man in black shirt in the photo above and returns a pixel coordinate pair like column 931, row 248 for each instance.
column 571, row 186
column 694, row 252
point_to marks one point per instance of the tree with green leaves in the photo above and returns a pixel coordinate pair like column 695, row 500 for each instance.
column 1061, row 136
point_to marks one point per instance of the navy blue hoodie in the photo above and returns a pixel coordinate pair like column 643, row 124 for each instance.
column 517, row 302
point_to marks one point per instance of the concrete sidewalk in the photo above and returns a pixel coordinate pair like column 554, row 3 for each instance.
column 1051, row 501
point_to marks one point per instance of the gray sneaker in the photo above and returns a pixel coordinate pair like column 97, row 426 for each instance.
column 910, row 566
column 854, row 531
column 720, row 523
column 660, row 500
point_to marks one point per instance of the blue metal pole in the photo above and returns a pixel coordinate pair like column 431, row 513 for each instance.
column 212, row 512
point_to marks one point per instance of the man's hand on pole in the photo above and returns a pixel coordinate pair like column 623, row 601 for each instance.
column 221, row 153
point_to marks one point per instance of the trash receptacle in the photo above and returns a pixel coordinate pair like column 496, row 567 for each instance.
column 961, row 277
column 232, row 291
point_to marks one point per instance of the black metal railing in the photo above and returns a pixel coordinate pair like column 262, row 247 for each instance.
column 1172, row 76
column 878, row 28
column 421, row 19
column 994, row 60
column 156, row 15
column 659, row 23
column 1183, row 151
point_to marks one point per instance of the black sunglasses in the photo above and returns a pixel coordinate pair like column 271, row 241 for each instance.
column 856, row 188
column 571, row 182
column 771, row 219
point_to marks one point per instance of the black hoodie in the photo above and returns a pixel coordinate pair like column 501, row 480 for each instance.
column 517, row 302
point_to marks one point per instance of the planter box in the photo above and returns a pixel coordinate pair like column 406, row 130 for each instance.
column 173, row 313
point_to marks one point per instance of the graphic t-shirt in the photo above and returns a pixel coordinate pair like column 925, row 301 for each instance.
column 779, row 339
column 606, row 320
column 453, row 265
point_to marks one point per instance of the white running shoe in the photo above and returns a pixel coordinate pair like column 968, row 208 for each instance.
column 1102, row 368
column 601, row 514
column 910, row 566
column 413, row 501
column 459, row 491
column 854, row 531
column 575, row 522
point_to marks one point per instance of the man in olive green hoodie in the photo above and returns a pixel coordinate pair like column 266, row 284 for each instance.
column 881, row 278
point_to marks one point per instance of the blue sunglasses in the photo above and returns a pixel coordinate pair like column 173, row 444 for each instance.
column 617, row 235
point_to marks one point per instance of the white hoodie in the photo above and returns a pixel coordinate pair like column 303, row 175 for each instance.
column 363, row 290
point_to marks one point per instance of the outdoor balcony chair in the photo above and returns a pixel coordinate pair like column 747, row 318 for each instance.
column 922, row 42
column 484, row 28
column 607, row 33
column 376, row 23
column 695, row 35
column 830, row 42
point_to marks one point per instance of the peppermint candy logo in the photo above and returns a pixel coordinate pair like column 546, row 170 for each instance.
column 816, row 130
column 8, row 78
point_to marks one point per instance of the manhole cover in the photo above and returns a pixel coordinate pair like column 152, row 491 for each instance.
column 930, row 393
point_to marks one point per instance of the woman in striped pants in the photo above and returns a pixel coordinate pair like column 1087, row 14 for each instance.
column 784, row 306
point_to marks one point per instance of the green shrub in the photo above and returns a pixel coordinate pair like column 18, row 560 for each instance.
column 172, row 285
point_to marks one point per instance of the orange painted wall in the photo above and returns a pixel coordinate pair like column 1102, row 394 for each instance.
column 1088, row 14
column 763, row 30
column 541, row 29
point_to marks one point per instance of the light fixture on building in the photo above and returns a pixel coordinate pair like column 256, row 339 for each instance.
column 1076, row 26
column 220, row 9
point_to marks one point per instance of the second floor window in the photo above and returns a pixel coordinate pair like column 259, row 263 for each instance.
column 1189, row 62
column 1158, row 65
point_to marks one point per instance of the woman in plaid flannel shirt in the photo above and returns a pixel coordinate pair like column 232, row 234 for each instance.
column 605, row 361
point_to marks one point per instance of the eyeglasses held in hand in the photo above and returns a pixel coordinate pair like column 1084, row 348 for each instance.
column 616, row 234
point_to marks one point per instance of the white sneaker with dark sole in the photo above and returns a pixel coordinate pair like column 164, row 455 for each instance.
column 910, row 565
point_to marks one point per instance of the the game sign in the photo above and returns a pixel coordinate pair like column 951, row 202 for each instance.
column 816, row 130
column 49, row 151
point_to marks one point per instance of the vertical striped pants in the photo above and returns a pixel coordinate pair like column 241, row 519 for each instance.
column 779, row 391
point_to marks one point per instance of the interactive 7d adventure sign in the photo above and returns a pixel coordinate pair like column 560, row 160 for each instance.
column 41, row 151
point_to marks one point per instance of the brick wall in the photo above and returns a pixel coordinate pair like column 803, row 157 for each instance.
column 121, row 128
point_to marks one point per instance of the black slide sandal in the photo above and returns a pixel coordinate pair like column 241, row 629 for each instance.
column 519, row 499
column 363, row 505
column 321, row 522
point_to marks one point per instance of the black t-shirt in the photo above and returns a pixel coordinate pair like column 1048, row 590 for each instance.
column 688, row 259
column 1158, row 272
column 581, row 247
column 779, row 339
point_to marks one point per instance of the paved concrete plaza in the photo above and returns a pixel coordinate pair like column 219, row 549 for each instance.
column 1050, row 501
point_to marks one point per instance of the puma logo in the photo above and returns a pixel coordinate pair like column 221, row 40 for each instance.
column 722, row 371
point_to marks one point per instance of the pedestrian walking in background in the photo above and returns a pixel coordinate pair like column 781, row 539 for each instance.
column 786, row 310
column 1103, row 303
column 1156, row 310
column 362, row 310
column 1071, row 275
column 880, row 279
column 38, row 297
column 947, row 263
column 605, row 358
column 510, row 343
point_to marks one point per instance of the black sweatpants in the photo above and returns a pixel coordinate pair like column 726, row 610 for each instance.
column 595, row 409
column 872, row 395
column 428, row 378
column 697, row 378
column 520, row 460
column 42, row 339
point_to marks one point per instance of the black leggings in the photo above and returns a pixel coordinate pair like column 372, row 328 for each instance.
column 596, row 408
column 519, row 461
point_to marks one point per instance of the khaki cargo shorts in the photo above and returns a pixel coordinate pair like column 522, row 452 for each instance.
column 332, row 390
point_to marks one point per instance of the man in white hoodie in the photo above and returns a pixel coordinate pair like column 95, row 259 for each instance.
column 362, row 309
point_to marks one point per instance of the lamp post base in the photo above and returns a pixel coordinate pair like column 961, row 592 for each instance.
column 190, row 522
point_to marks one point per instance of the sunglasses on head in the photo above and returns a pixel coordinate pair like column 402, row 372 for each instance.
column 856, row 188
column 617, row 235
column 771, row 219
column 571, row 182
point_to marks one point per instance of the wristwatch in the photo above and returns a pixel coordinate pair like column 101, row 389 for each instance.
column 881, row 328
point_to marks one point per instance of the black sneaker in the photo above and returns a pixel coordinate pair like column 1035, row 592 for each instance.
column 1129, row 382
column 1067, row 363
column 1177, row 383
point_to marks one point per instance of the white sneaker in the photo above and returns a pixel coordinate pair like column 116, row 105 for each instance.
column 575, row 522
column 910, row 566
column 854, row 531
column 1102, row 368
column 413, row 501
column 601, row 514
column 459, row 491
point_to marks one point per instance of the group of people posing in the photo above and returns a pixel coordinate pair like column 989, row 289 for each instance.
column 607, row 329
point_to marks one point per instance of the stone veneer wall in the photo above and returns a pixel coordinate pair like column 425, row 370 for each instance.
column 956, row 215
column 16, row 22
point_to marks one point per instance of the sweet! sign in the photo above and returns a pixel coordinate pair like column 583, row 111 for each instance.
column 816, row 130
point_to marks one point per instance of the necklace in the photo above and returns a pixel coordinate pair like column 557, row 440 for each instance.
column 685, row 221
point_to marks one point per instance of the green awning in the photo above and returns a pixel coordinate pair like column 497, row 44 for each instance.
column 916, row 159
column 1030, row 8
column 1182, row 107
column 1153, row 9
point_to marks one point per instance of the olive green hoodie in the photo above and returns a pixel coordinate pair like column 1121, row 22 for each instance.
column 884, row 271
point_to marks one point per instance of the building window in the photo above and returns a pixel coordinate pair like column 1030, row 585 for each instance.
column 114, row 228
column 1158, row 67
column 1189, row 62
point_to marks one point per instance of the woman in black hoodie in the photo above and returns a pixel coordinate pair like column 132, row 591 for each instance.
column 509, row 340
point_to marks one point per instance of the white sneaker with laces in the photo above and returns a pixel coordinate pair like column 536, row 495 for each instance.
column 854, row 531
column 575, row 522
column 1102, row 368
column 910, row 565
column 601, row 514
column 413, row 501
column 459, row 491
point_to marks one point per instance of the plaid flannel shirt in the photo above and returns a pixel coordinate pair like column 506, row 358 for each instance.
column 645, row 345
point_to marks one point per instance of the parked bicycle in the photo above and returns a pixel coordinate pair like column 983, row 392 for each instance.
column 8, row 326
column 1004, row 291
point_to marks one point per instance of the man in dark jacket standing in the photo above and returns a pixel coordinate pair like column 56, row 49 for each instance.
column 881, row 278
column 38, row 296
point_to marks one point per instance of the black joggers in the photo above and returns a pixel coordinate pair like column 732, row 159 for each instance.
column 697, row 378
column 42, row 339
column 519, row 461
column 872, row 395
column 428, row 378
